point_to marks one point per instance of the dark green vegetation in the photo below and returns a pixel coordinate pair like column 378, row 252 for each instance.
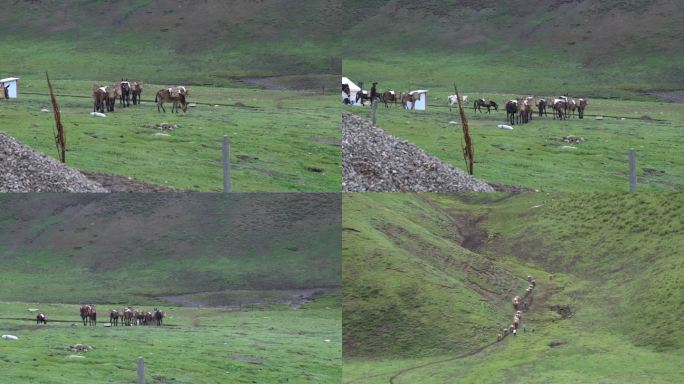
column 280, row 140
column 210, row 42
column 126, row 248
column 240, row 257
column 610, row 48
column 197, row 345
column 534, row 155
column 285, row 138
column 428, row 277
column 603, row 51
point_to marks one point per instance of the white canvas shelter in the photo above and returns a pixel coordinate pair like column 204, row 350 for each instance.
column 12, row 85
column 353, row 89
column 421, row 104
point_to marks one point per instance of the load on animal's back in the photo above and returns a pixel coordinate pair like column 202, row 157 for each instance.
column 176, row 95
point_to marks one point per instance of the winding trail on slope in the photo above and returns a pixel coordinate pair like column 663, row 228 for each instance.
column 465, row 354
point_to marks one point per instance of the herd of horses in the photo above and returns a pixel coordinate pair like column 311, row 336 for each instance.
column 126, row 317
column 519, row 304
column 519, row 110
column 105, row 97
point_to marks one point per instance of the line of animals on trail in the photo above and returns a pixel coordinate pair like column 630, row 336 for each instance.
column 519, row 304
column 518, row 110
column 105, row 97
column 127, row 316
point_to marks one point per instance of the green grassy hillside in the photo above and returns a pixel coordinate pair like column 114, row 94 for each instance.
column 128, row 248
column 168, row 41
column 607, row 307
column 596, row 49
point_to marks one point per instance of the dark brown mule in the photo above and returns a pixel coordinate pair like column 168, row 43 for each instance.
column 41, row 318
column 511, row 111
column 173, row 95
column 362, row 96
column 158, row 316
column 100, row 99
column 581, row 106
column 125, row 96
column 389, row 97
column 541, row 105
column 148, row 318
column 347, row 92
column 136, row 92
column 489, row 104
column 114, row 317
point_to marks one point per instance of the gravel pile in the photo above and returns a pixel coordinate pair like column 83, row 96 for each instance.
column 24, row 170
column 375, row 161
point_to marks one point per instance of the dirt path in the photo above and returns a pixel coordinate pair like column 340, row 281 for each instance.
column 673, row 96
column 294, row 298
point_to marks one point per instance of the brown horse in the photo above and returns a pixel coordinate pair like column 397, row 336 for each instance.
column 409, row 98
column 541, row 105
column 136, row 92
column 479, row 103
column 41, row 318
column 559, row 107
column 88, row 315
column 100, row 97
column 113, row 92
column 114, row 317
column 175, row 95
column 362, row 96
column 128, row 316
column 581, row 106
column 389, row 96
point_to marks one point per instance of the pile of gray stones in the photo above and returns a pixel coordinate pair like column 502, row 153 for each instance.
column 373, row 160
column 24, row 170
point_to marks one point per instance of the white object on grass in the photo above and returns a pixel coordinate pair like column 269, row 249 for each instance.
column 503, row 126
column 97, row 114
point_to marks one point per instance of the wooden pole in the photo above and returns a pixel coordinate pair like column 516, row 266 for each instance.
column 141, row 371
column 374, row 111
column 227, row 187
column 632, row 171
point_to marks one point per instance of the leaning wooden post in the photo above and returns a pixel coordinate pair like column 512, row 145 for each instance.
column 374, row 111
column 141, row 371
column 60, row 138
column 226, row 165
column 632, row 171
column 467, row 145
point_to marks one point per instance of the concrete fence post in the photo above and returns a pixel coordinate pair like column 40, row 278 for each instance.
column 141, row 371
column 374, row 111
column 227, row 187
column 632, row 170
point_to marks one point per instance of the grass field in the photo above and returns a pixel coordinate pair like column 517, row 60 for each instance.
column 250, row 283
column 443, row 269
column 280, row 140
column 196, row 345
column 533, row 155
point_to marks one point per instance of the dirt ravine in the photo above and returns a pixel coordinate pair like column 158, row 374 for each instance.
column 673, row 96
column 471, row 232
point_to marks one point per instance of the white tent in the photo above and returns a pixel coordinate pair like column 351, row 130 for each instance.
column 12, row 85
column 353, row 89
column 421, row 103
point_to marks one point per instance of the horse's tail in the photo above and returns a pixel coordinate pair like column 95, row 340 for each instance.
column 156, row 98
column 475, row 104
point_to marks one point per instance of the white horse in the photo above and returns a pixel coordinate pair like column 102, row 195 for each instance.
column 451, row 100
